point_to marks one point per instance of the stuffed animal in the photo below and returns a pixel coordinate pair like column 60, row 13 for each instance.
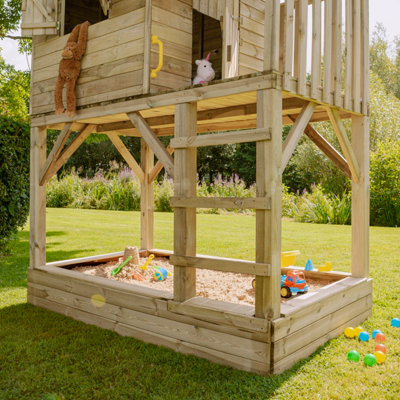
column 69, row 69
column 205, row 72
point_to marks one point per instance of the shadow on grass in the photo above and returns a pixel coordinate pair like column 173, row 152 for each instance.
column 13, row 267
column 43, row 353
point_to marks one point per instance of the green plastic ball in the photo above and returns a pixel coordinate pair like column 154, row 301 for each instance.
column 353, row 355
column 370, row 360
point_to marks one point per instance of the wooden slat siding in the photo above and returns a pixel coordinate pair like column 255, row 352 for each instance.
column 295, row 133
column 159, row 166
column 172, row 23
column 336, row 77
column 345, row 144
column 147, row 45
column 153, row 141
column 221, row 202
column 230, row 344
column 72, row 147
column 296, row 41
column 230, row 27
column 126, row 155
column 356, row 55
column 215, row 139
column 37, row 221
column 121, row 7
column 365, row 55
column 54, row 153
column 360, row 199
column 221, row 264
column 301, row 338
column 316, row 49
column 271, row 36
column 42, row 14
column 268, row 223
column 146, row 197
column 327, row 52
column 302, row 50
column 349, row 56
column 305, row 351
column 297, row 315
column 185, row 168
column 288, row 44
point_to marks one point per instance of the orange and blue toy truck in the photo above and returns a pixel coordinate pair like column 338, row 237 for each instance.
column 293, row 282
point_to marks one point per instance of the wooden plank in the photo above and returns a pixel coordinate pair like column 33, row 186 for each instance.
column 302, row 49
column 299, row 313
column 222, row 202
column 147, row 46
column 356, row 55
column 288, row 43
column 127, row 156
column 146, row 198
column 348, row 71
column 185, row 186
column 336, row 84
column 158, row 167
column 360, row 199
column 37, row 220
column 365, row 55
column 327, row 52
column 295, row 132
column 301, row 338
column 271, row 35
column 305, row 351
column 316, row 48
column 268, row 223
column 54, row 153
column 153, row 142
column 221, row 264
column 72, row 147
column 345, row 143
column 215, row 139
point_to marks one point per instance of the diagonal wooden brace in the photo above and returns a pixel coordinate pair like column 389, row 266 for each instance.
column 153, row 142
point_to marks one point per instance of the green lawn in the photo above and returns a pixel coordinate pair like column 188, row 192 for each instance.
column 44, row 355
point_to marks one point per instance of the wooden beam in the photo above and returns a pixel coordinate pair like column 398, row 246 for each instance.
column 153, row 141
column 296, row 130
column 365, row 55
column 215, row 139
column 185, row 183
column 158, row 167
column 336, row 77
column 271, row 35
column 222, row 202
column 222, row 264
column 37, row 220
column 327, row 52
column 316, row 49
column 288, row 43
column 302, row 43
column 348, row 71
column 344, row 143
column 55, row 152
column 72, row 147
column 133, row 165
column 357, row 55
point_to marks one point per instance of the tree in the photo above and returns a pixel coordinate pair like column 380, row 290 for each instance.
column 10, row 14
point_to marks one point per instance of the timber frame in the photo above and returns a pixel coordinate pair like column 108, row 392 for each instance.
column 271, row 336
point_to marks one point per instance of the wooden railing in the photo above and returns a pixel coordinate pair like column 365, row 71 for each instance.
column 321, row 49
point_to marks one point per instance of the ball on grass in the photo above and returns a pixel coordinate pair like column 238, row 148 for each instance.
column 380, row 357
column 358, row 330
column 363, row 336
column 375, row 332
column 396, row 322
column 380, row 337
column 370, row 360
column 353, row 355
column 380, row 347
column 349, row 332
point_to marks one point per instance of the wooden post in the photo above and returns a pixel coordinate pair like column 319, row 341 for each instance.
column 37, row 199
column 185, row 181
column 360, row 199
column 146, row 198
column 268, row 222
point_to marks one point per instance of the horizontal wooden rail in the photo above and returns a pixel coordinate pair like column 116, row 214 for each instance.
column 215, row 139
column 222, row 264
column 257, row 203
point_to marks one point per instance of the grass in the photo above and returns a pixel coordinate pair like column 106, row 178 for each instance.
column 44, row 355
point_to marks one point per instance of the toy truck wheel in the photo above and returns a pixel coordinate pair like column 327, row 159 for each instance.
column 285, row 292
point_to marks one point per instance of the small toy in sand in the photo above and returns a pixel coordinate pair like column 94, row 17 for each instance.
column 116, row 270
column 160, row 274
column 326, row 267
column 137, row 276
column 309, row 266
column 145, row 265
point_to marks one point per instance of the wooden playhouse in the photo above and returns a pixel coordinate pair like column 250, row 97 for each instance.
column 277, row 62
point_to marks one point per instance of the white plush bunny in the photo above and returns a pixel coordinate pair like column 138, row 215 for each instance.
column 205, row 72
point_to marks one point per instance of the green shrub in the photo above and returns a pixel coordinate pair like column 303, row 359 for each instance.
column 163, row 191
column 14, row 177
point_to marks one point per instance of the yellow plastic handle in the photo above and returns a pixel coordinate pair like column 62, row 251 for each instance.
column 156, row 40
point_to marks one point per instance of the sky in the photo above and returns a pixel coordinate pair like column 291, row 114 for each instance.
column 386, row 12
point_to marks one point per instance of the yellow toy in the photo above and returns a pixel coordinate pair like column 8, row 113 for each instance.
column 326, row 267
column 144, row 266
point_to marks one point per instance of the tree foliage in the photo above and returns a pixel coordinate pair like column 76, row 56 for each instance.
column 10, row 14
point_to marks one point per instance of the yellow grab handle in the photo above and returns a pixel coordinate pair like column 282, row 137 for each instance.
column 156, row 40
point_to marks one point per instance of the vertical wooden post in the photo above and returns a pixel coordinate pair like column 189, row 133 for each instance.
column 360, row 199
column 268, row 222
column 271, row 35
column 146, row 198
column 185, row 182
column 37, row 199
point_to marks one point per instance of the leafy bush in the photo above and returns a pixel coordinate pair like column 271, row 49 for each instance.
column 14, row 177
column 163, row 191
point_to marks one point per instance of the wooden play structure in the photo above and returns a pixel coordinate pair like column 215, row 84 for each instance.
column 277, row 62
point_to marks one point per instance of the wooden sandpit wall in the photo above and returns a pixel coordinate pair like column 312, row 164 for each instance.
column 271, row 336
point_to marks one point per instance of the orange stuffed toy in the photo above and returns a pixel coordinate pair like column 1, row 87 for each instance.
column 70, row 67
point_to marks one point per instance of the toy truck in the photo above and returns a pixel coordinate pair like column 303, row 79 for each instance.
column 293, row 282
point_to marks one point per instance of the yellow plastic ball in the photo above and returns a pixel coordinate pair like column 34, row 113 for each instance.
column 380, row 357
column 349, row 332
column 358, row 330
